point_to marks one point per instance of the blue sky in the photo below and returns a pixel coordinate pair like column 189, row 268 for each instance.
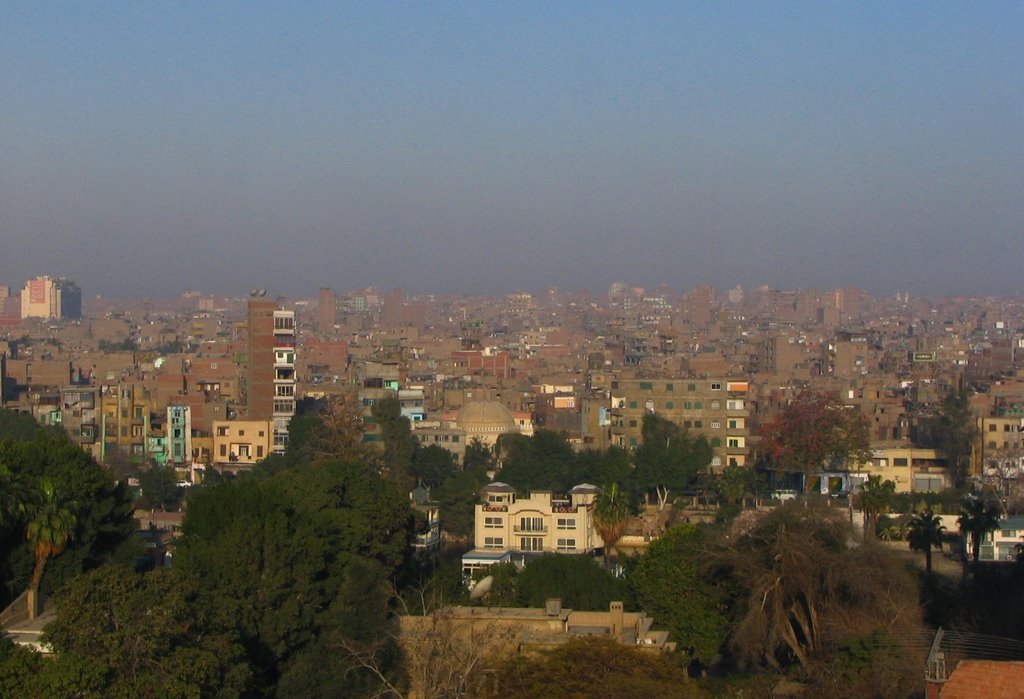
column 148, row 148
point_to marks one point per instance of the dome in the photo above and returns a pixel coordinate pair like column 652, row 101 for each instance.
column 486, row 416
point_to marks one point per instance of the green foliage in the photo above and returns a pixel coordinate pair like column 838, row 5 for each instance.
column 952, row 431
column 804, row 588
column 875, row 496
column 125, row 345
column 596, row 667
column 611, row 516
column 432, row 465
column 104, row 522
column 924, row 532
column 670, row 584
column 277, row 559
column 579, row 581
column 978, row 517
column 19, row 669
column 670, row 459
column 139, row 635
column 399, row 444
column 876, row 664
column 545, row 461
column 160, row 487
column 457, row 497
column 20, row 427
column 503, row 590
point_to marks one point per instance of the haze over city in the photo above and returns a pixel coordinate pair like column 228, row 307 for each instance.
column 448, row 148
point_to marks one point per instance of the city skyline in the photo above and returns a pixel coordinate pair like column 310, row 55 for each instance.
column 470, row 149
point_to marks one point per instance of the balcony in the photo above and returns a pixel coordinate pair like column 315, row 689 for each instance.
column 529, row 530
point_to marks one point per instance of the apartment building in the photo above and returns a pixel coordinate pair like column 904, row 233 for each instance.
column 239, row 444
column 44, row 297
column 542, row 522
column 716, row 408
column 271, row 367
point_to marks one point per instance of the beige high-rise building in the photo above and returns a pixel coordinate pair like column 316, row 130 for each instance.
column 44, row 297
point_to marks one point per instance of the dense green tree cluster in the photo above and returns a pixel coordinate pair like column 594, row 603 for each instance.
column 46, row 474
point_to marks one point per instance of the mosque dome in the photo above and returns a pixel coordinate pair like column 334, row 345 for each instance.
column 485, row 416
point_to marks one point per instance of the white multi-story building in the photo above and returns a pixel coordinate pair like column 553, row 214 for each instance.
column 284, row 377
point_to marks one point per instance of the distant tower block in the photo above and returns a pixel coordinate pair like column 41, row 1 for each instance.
column 326, row 309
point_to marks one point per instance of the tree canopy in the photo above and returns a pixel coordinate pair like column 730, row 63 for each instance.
column 670, row 459
column 815, row 432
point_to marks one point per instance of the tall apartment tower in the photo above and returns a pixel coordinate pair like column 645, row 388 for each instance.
column 326, row 310
column 44, row 297
column 271, row 367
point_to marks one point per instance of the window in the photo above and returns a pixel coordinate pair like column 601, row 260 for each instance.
column 688, row 405
column 632, row 423
column 716, row 442
column 493, row 542
column 669, row 405
column 222, row 431
column 632, row 404
column 259, row 451
column 699, row 405
column 698, row 424
column 991, row 428
column 223, row 450
column 716, row 405
column 716, row 386
column 716, row 460
column 715, row 424
column 531, row 524
column 494, row 522
column 899, row 462
column 735, row 424
column 566, row 523
column 687, row 424
column 734, row 404
column 691, row 387
column 735, row 442
column 241, row 433
column 669, row 387
column 566, row 544
column 645, row 386
column 531, row 543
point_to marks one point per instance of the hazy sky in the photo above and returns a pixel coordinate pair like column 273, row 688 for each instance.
column 147, row 148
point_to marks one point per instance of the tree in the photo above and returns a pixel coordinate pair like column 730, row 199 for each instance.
column 160, row 487
column 272, row 559
column 952, row 430
column 875, row 496
column 334, row 431
column 670, row 584
column 814, row 432
column 140, row 635
column 51, row 524
column 545, row 461
column 978, row 517
column 105, row 524
column 399, row 443
column 803, row 588
column 595, row 668
column 432, row 465
column 611, row 517
column 670, row 458
column 577, row 580
column 925, row 531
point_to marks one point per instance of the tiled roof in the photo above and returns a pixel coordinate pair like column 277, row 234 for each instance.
column 991, row 679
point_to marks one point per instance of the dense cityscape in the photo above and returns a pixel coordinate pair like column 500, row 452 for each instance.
column 345, row 481
column 474, row 350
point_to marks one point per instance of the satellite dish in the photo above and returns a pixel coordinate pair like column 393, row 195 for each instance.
column 482, row 588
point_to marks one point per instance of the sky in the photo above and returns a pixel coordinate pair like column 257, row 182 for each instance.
column 149, row 148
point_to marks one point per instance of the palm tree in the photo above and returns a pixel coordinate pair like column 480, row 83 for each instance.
column 611, row 515
column 977, row 518
column 925, row 531
column 51, row 525
column 875, row 495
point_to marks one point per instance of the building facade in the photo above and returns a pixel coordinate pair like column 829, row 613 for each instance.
column 270, row 375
